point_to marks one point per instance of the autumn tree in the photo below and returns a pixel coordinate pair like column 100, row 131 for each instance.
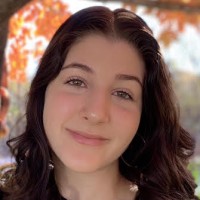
column 29, row 30
column 8, row 8
column 36, row 22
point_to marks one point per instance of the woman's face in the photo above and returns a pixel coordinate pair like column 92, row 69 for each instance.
column 92, row 109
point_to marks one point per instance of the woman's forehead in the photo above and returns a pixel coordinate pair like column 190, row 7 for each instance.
column 100, row 50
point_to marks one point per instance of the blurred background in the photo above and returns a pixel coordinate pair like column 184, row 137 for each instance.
column 26, row 26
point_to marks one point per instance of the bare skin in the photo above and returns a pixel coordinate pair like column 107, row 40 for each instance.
column 99, row 185
column 91, row 114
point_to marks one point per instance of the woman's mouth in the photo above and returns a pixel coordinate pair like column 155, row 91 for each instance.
column 87, row 139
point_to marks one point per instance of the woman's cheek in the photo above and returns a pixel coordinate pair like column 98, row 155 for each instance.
column 67, row 103
column 127, row 120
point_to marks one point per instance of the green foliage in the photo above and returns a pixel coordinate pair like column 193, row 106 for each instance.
column 194, row 167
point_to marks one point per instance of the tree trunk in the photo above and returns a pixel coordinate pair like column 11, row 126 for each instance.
column 9, row 7
column 3, row 39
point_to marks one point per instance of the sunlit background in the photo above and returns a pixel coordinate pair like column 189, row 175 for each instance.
column 175, row 23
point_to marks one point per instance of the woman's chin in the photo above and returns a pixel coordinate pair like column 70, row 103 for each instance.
column 83, row 167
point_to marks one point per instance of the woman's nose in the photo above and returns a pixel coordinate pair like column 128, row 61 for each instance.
column 96, row 108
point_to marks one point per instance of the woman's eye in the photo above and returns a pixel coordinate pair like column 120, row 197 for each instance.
column 123, row 95
column 76, row 82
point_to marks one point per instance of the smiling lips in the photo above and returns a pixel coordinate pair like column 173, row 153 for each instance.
column 87, row 139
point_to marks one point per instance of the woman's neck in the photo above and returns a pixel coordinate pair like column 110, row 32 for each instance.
column 106, row 184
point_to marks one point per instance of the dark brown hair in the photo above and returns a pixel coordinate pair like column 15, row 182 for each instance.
column 159, row 153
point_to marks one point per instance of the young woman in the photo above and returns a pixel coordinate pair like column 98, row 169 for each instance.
column 102, row 120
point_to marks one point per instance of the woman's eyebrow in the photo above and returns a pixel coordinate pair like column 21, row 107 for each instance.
column 129, row 78
column 86, row 68
column 78, row 66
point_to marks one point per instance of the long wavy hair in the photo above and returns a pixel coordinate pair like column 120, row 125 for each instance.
column 156, row 159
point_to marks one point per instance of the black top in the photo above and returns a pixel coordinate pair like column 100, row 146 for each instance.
column 1, row 195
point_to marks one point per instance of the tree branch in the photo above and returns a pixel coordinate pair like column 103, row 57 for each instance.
column 161, row 5
column 9, row 7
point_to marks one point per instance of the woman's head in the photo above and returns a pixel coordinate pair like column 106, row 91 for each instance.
column 117, row 25
column 156, row 133
column 85, row 104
